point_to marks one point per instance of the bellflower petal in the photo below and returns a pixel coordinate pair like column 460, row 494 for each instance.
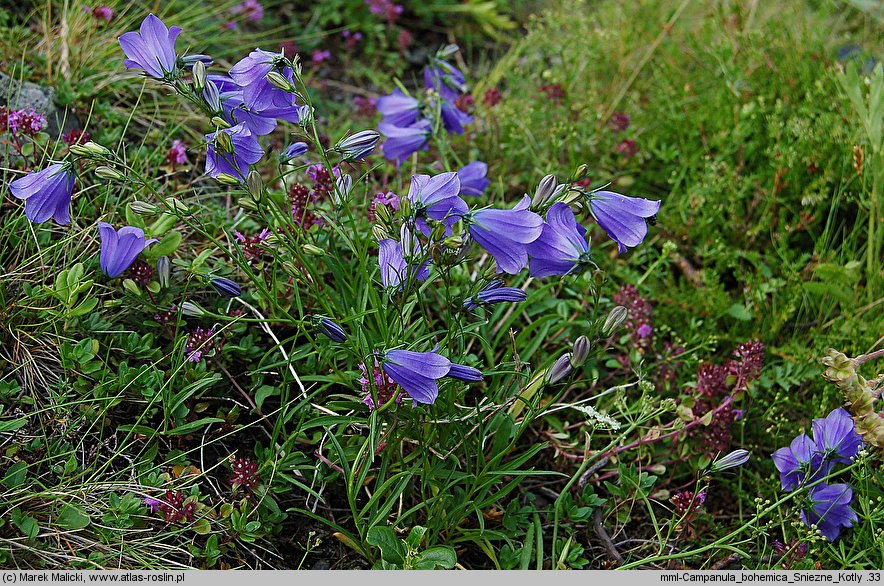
column 829, row 509
column 246, row 151
column 836, row 436
column 119, row 248
column 622, row 217
column 46, row 193
column 561, row 245
column 506, row 233
column 403, row 141
column 473, row 180
column 398, row 109
column 152, row 49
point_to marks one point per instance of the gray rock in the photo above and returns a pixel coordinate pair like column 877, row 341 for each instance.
column 16, row 96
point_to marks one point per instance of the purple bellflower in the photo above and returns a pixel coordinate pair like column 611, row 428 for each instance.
column 332, row 330
column 473, row 180
column 152, row 49
column 835, row 436
column 437, row 198
column 226, row 287
column 505, row 234
column 294, row 150
column 453, row 118
column 828, row 507
column 47, row 193
column 562, row 246
column 246, row 151
column 622, row 217
column 796, row 462
column 394, row 267
column 119, row 248
column 494, row 292
column 403, row 141
column 398, row 109
column 259, row 95
column 445, row 78
column 417, row 372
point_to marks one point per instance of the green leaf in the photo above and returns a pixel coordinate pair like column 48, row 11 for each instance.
column 441, row 556
column 392, row 548
column 415, row 536
column 740, row 312
column 16, row 475
column 72, row 518
column 193, row 426
column 202, row 526
column 25, row 523
column 263, row 392
column 165, row 247
column 12, row 424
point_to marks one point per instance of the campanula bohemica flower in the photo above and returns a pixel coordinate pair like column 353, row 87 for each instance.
column 152, row 49
column 119, row 248
column 47, row 193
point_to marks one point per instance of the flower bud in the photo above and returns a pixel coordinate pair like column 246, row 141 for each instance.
column 223, row 142
column 226, row 287
column 255, row 185
column 580, row 351
column 405, row 207
column 305, row 115
column 177, row 207
column 212, row 97
column 143, row 208
column 379, row 232
column 334, row 332
column 382, row 213
column 343, row 187
column 247, row 203
column 408, row 241
column 657, row 469
column 164, row 271
column 106, row 172
column 190, row 60
column 545, row 191
column 454, row 242
column 357, row 146
column 293, row 150
column 199, row 76
column 732, row 460
column 614, row 320
column 219, row 122
column 279, row 81
column 192, row 309
column 559, row 370
column 311, row 249
column 226, row 179
column 90, row 149
column 130, row 286
column 581, row 172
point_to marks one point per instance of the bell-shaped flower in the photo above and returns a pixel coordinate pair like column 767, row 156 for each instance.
column 403, row 141
column 473, row 178
column 562, row 246
column 622, row 217
column 245, row 151
column 395, row 269
column 120, row 248
column 505, row 234
column 417, row 372
column 46, row 193
column 835, row 436
column 398, row 109
column 152, row 49
column 828, row 507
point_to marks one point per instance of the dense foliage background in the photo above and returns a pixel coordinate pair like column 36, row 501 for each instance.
column 758, row 126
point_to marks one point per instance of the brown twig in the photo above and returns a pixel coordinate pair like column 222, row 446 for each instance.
column 598, row 526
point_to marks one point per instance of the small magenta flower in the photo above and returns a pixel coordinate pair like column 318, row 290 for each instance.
column 622, row 217
column 120, row 248
column 505, row 234
column 398, row 109
column 562, row 246
column 473, row 180
column 828, row 507
column 293, row 150
column 47, row 193
column 226, row 287
column 835, row 436
column 153, row 49
column 394, row 268
column 494, row 292
column 152, row 504
column 403, row 141
column 332, row 330
column 358, row 146
column 417, row 372
column 251, row 9
column 177, row 154
column 246, row 151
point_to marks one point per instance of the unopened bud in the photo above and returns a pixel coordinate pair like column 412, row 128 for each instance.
column 438, row 232
column 223, row 142
column 279, row 81
column 177, row 207
column 357, row 146
column 226, row 287
column 314, row 250
column 545, row 191
column 219, row 122
column 454, row 242
column 580, row 351
column 559, row 370
column 334, row 332
column 143, row 208
column 164, row 271
column 305, row 115
column 614, row 320
column 407, row 240
column 379, row 232
column 343, row 187
column 382, row 213
column 405, row 207
column 212, row 97
column 90, row 149
column 657, row 469
column 199, row 76
column 227, row 179
column 581, row 172
column 255, row 185
column 191, row 309
column 247, row 203
column 106, row 172
column 732, row 460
